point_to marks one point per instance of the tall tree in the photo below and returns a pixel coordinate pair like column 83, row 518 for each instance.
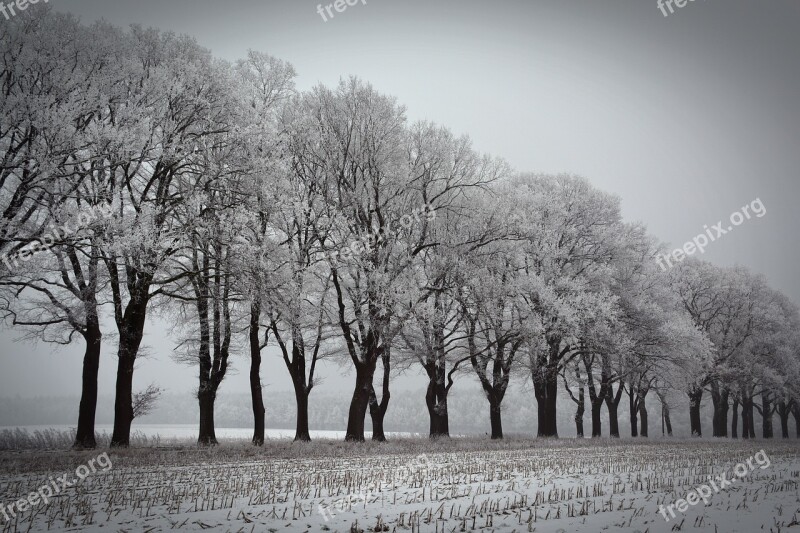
column 174, row 100
column 495, row 323
column 262, row 86
column 567, row 233
column 725, row 305
column 356, row 141
column 380, row 189
column 433, row 335
column 54, row 195
column 655, row 328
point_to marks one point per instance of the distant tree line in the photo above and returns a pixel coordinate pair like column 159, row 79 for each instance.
column 325, row 224
column 328, row 410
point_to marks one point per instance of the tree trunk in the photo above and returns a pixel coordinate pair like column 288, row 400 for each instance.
column 719, row 399
column 597, row 420
column 633, row 410
column 725, row 407
column 207, row 435
column 430, row 403
column 612, row 404
column 205, row 392
column 301, row 395
column 123, row 404
column 360, row 401
column 796, row 414
column 377, row 411
column 613, row 419
column 544, row 376
column 215, row 338
column 766, row 415
column 748, row 426
column 85, row 437
column 297, row 371
column 695, row 400
column 715, row 401
column 131, row 331
column 130, row 327
column 735, row 419
column 295, row 360
column 643, row 416
column 259, row 413
column 495, row 417
column 436, row 400
column 745, row 420
column 667, row 420
column 595, row 399
column 783, row 413
column 378, row 434
column 579, row 414
column 545, row 387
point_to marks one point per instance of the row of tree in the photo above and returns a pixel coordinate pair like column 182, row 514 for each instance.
column 324, row 224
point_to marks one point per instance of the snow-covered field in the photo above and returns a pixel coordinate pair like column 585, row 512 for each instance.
column 412, row 485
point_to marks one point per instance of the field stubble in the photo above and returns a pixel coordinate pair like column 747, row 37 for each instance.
column 410, row 485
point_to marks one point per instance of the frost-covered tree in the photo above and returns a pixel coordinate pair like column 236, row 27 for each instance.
column 382, row 191
column 432, row 334
column 261, row 87
column 727, row 305
column 226, row 174
column 495, row 320
column 173, row 104
column 54, row 186
column 566, row 232
column 296, row 308
column 355, row 138
column 656, row 328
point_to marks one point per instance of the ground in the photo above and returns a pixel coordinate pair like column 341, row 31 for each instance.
column 411, row 485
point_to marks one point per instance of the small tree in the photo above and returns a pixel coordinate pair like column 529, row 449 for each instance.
column 145, row 401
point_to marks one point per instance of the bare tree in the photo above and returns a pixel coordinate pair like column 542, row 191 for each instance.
column 145, row 401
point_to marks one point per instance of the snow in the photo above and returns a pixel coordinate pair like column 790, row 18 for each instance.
column 542, row 486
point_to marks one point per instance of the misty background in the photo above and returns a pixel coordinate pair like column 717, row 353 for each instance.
column 686, row 118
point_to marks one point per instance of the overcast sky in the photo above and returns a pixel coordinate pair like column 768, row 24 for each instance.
column 687, row 118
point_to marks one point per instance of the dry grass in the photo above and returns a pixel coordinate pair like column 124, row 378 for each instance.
column 54, row 439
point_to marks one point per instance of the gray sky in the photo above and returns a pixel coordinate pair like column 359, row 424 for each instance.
column 687, row 118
